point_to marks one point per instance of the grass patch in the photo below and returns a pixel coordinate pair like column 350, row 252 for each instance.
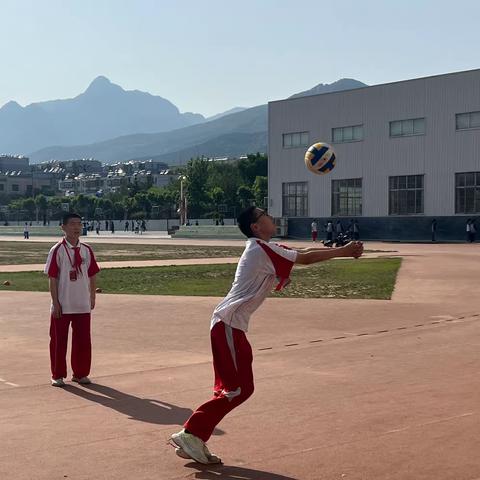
column 365, row 278
column 22, row 253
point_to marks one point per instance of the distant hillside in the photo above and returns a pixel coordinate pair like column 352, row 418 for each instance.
column 232, row 134
column 250, row 121
column 339, row 85
column 103, row 111
column 228, row 112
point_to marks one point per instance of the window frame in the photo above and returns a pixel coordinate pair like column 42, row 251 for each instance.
column 342, row 131
column 295, row 198
column 400, row 194
column 473, row 190
column 403, row 123
column 290, row 137
column 345, row 195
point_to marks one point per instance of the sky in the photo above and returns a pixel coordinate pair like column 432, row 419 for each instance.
column 208, row 56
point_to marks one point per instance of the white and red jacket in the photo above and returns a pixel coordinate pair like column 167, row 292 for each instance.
column 63, row 258
column 261, row 264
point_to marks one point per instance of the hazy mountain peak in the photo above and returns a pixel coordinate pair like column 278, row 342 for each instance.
column 11, row 106
column 102, row 85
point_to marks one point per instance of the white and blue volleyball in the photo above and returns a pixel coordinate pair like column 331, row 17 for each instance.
column 320, row 158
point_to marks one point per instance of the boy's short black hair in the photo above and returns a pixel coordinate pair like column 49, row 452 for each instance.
column 67, row 216
column 245, row 220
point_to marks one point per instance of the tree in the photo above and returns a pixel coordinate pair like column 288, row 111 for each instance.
column 245, row 195
column 252, row 167
column 260, row 190
column 196, row 192
column 41, row 203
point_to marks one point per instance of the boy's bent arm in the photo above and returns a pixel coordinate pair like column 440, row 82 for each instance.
column 352, row 249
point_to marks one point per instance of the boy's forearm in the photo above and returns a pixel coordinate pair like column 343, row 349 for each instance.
column 312, row 249
column 53, row 286
column 319, row 255
column 93, row 285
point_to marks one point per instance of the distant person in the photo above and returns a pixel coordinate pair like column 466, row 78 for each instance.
column 112, row 226
column 329, row 230
column 71, row 268
column 471, row 230
column 143, row 226
column 196, row 223
column 338, row 228
column 356, row 230
column 106, row 225
column 434, row 229
column 26, row 232
column 127, row 223
column 97, row 227
column 314, row 231
column 133, row 225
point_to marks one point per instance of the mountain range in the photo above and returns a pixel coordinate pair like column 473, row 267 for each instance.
column 111, row 124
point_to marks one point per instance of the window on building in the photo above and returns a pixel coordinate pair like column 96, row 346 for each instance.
column 406, row 195
column 407, row 128
column 15, row 187
column 353, row 133
column 295, row 139
column 295, row 199
column 467, row 192
column 2, row 187
column 467, row 120
column 347, row 197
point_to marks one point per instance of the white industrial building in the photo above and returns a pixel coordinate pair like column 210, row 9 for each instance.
column 407, row 152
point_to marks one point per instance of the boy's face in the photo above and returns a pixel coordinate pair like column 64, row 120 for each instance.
column 263, row 226
column 73, row 227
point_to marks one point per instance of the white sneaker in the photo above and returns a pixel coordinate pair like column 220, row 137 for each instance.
column 82, row 381
column 212, row 458
column 191, row 446
column 58, row 382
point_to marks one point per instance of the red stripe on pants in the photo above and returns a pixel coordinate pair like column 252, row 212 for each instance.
column 81, row 344
column 230, row 374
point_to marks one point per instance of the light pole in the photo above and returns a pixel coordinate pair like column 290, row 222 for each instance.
column 183, row 202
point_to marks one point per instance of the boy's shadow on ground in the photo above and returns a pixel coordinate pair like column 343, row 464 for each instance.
column 140, row 409
column 225, row 472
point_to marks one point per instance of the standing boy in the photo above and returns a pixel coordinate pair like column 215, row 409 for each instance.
column 260, row 265
column 71, row 269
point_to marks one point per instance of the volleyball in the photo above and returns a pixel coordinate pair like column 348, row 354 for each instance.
column 320, row 158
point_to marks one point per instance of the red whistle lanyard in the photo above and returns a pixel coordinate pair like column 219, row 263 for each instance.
column 72, row 263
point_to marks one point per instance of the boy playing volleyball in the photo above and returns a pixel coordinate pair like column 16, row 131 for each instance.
column 260, row 265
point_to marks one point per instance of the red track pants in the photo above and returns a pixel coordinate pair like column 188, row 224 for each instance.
column 232, row 364
column 81, row 344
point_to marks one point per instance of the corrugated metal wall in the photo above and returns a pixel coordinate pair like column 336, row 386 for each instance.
column 438, row 154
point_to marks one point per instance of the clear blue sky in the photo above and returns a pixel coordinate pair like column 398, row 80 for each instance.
column 207, row 56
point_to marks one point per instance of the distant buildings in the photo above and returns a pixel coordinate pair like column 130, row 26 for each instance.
column 72, row 177
column 18, row 177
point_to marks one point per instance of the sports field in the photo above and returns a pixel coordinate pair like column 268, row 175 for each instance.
column 18, row 253
column 345, row 388
column 367, row 278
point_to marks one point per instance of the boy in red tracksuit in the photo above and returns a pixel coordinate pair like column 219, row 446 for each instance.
column 260, row 265
column 71, row 269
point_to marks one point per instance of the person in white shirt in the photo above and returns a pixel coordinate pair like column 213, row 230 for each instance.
column 314, row 230
column 262, row 265
column 71, row 268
